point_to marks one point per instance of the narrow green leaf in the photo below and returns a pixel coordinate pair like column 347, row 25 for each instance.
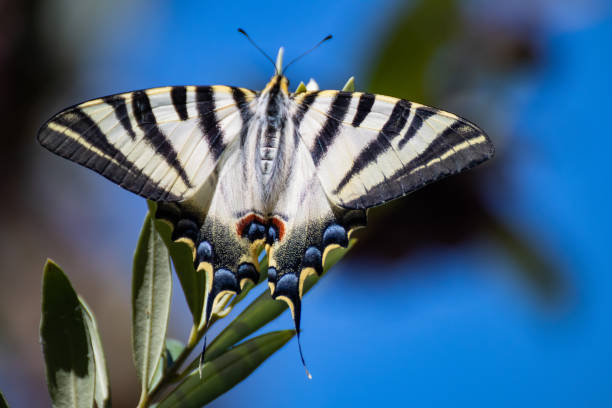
column 261, row 311
column 301, row 88
column 224, row 372
column 159, row 371
column 170, row 354
column 192, row 282
column 174, row 348
column 3, row 403
column 102, row 388
column 350, row 85
column 151, row 292
column 66, row 343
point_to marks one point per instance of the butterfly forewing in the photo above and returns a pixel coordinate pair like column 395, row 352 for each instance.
column 370, row 149
column 160, row 143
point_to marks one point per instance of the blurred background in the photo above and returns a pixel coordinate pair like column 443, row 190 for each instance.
column 489, row 288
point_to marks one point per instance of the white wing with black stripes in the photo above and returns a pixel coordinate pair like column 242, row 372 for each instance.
column 160, row 143
column 236, row 171
column 369, row 149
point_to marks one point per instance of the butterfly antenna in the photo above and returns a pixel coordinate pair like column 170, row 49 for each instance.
column 329, row 37
column 241, row 31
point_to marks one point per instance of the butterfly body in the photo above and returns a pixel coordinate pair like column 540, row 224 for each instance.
column 269, row 147
column 235, row 170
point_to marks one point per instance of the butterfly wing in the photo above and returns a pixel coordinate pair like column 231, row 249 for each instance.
column 369, row 149
column 354, row 151
column 177, row 146
column 223, row 227
column 160, row 143
column 306, row 227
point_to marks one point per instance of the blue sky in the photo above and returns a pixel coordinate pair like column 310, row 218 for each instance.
column 463, row 332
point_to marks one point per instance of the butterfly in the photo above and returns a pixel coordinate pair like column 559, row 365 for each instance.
column 237, row 170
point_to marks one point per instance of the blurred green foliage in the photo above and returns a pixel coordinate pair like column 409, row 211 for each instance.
column 406, row 53
column 453, row 210
column 76, row 370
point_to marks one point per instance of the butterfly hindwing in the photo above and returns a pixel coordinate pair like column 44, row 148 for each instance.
column 369, row 149
column 307, row 227
column 160, row 143
column 224, row 227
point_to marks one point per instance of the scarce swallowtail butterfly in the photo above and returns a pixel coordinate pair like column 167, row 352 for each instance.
column 235, row 170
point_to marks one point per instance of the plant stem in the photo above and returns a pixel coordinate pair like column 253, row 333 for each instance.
column 144, row 401
column 171, row 375
column 196, row 334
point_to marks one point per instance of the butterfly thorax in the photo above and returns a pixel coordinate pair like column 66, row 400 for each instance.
column 269, row 124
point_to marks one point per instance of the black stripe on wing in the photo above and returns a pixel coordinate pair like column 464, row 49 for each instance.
column 366, row 101
column 205, row 100
column 462, row 144
column 331, row 128
column 145, row 118
column 120, row 108
column 391, row 129
column 303, row 108
column 420, row 115
column 452, row 136
column 178, row 94
column 245, row 112
column 112, row 164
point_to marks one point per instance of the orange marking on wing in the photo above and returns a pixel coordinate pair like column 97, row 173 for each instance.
column 244, row 221
column 280, row 225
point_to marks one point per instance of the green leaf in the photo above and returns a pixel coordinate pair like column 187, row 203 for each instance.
column 301, row 88
column 427, row 25
column 102, row 387
column 261, row 311
column 66, row 342
column 174, row 348
column 224, row 372
column 350, row 85
column 151, row 292
column 3, row 403
column 192, row 282
column 171, row 353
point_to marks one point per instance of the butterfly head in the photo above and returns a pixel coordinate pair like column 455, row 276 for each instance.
column 279, row 82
